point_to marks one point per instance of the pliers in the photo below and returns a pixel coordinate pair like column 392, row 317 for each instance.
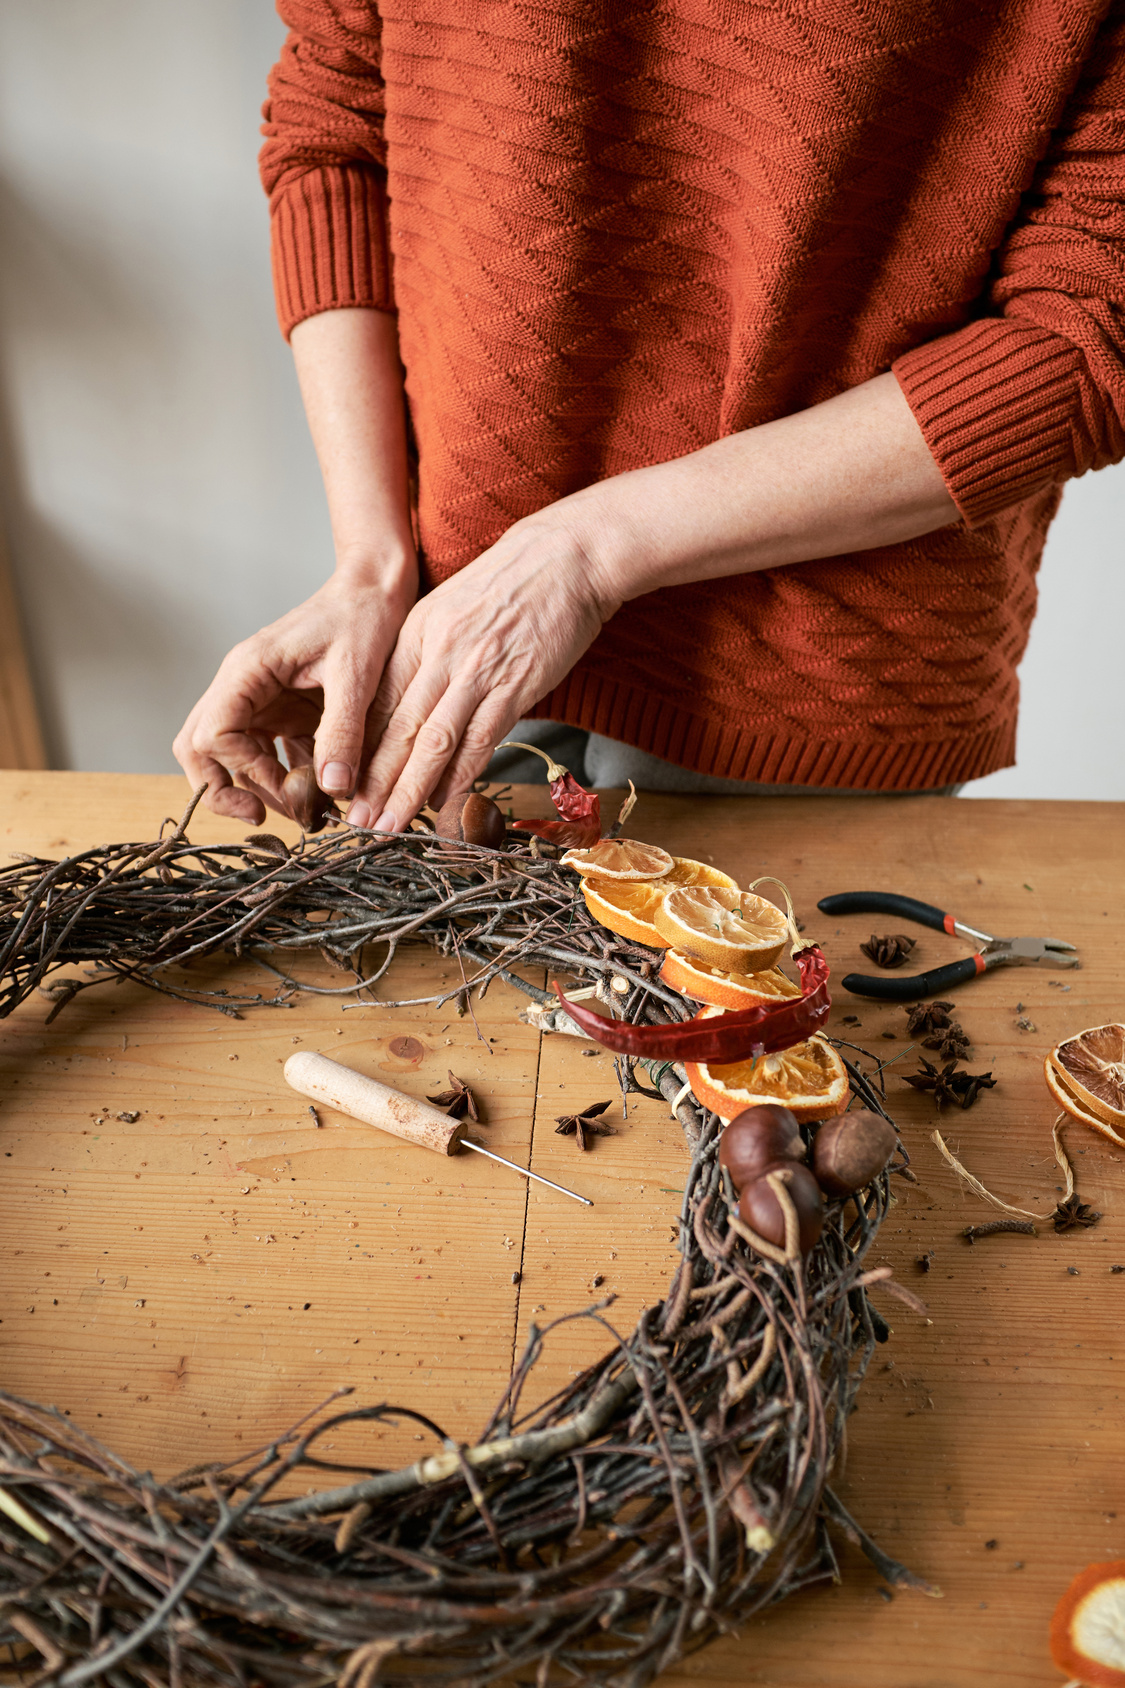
column 994, row 952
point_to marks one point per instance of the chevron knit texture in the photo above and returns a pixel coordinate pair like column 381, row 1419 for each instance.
column 616, row 231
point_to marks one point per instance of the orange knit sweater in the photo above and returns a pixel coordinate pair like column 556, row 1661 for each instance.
column 615, row 232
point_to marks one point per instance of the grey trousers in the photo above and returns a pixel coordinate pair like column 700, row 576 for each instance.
column 599, row 762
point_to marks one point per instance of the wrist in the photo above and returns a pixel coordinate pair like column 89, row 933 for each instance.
column 392, row 569
column 610, row 546
column 584, row 536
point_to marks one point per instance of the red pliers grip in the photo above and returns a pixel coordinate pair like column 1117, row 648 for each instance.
column 995, row 952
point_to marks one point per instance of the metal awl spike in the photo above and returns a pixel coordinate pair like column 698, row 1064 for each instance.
column 524, row 1173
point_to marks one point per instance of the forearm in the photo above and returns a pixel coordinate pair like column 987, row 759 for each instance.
column 351, row 383
column 844, row 476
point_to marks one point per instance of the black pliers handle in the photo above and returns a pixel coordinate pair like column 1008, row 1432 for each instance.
column 995, row 952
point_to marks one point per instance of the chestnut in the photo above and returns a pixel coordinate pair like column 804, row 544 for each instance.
column 850, row 1150
column 759, row 1208
column 308, row 805
column 757, row 1136
column 472, row 819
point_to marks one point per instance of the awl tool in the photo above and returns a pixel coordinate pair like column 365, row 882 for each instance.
column 995, row 952
column 327, row 1082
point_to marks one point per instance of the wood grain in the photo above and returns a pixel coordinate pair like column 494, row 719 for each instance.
column 169, row 1260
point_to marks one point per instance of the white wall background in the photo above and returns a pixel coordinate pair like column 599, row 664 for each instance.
column 157, row 484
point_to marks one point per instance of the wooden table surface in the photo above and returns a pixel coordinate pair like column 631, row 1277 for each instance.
column 192, row 1281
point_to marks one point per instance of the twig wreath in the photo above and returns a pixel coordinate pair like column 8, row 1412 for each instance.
column 674, row 1489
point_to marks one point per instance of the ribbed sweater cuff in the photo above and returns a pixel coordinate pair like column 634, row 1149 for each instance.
column 995, row 402
column 329, row 243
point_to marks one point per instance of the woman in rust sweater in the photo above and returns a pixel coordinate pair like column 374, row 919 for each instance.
column 746, row 348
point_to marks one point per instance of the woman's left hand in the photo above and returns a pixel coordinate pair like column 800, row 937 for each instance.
column 472, row 657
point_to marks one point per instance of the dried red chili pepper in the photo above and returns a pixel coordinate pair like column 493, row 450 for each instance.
column 580, row 811
column 762, row 1030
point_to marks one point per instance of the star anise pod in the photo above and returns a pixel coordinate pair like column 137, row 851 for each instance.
column 888, row 951
column 458, row 1101
column 926, row 1017
column 1073, row 1214
column 951, row 1044
column 582, row 1126
column 951, row 1084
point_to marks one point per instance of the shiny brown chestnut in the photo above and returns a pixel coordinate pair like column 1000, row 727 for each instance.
column 308, row 805
column 759, row 1207
column 850, row 1150
column 472, row 819
column 757, row 1136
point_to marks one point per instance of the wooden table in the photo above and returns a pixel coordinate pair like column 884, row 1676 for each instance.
column 197, row 1278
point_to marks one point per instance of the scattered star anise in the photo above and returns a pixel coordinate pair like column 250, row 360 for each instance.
column 458, row 1101
column 888, row 951
column 926, row 1017
column 951, row 1044
column 1073, row 1213
column 951, row 1084
column 582, row 1126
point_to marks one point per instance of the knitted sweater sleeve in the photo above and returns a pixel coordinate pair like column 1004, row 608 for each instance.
column 324, row 162
column 1034, row 391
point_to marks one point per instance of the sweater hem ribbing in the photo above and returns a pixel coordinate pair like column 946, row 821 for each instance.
column 995, row 403
column 729, row 751
column 329, row 244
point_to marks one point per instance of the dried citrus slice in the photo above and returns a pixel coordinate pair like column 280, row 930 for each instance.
column 727, row 929
column 725, row 990
column 1059, row 1086
column 627, row 906
column 621, row 858
column 1088, row 1628
column 1092, row 1065
column 809, row 1078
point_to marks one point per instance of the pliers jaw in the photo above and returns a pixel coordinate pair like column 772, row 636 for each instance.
column 1029, row 952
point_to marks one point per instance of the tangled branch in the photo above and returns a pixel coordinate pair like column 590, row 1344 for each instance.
column 674, row 1489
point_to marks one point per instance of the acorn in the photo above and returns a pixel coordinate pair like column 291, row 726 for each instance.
column 472, row 819
column 850, row 1150
column 759, row 1208
column 757, row 1136
column 308, row 805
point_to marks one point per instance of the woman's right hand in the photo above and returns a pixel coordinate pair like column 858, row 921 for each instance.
column 307, row 679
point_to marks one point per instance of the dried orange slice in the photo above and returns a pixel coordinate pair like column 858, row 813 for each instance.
column 725, row 990
column 733, row 930
column 1073, row 1104
column 1088, row 1628
column 1092, row 1065
column 810, row 1079
column 627, row 906
column 621, row 858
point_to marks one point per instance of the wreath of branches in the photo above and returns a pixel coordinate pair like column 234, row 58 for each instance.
column 674, row 1489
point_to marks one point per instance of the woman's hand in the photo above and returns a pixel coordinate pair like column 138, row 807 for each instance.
column 308, row 679
column 844, row 476
column 472, row 657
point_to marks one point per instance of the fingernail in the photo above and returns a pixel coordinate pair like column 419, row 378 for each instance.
column 336, row 778
column 360, row 813
column 386, row 822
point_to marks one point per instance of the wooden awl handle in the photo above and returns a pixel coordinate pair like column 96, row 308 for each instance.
column 366, row 1099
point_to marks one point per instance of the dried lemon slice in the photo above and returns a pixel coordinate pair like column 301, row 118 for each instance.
column 722, row 988
column 734, row 930
column 627, row 906
column 621, row 858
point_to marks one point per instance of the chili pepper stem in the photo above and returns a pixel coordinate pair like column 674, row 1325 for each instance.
column 555, row 770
